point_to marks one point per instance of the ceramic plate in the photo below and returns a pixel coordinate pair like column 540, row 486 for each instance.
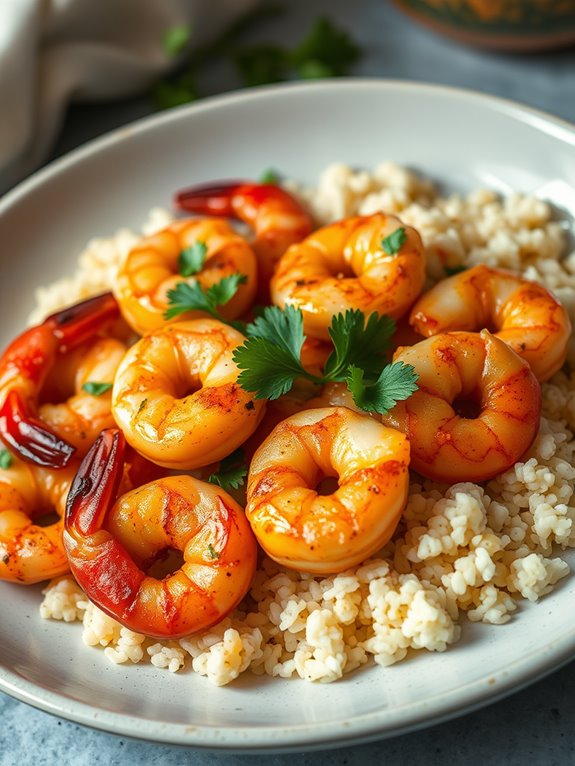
column 461, row 139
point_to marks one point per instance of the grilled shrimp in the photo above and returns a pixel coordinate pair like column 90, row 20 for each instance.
column 113, row 542
column 345, row 266
column 24, row 368
column 176, row 396
column 30, row 552
column 305, row 530
column 277, row 218
column 476, row 410
column 522, row 313
column 152, row 268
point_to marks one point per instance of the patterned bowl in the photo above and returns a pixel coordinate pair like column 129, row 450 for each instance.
column 519, row 25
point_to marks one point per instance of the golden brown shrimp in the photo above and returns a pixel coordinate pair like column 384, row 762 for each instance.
column 522, row 313
column 30, row 552
column 152, row 269
column 28, row 362
column 176, row 396
column 277, row 218
column 476, row 410
column 304, row 530
column 113, row 543
column 344, row 266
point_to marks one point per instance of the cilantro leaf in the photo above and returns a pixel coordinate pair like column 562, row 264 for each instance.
column 213, row 553
column 176, row 39
column 269, row 176
column 192, row 259
column 393, row 243
column 327, row 46
column 357, row 343
column 96, row 389
column 451, row 271
column 267, row 370
column 283, row 328
column 6, row 459
column 314, row 70
column 192, row 297
column 396, row 382
column 167, row 94
column 262, row 64
column 232, row 473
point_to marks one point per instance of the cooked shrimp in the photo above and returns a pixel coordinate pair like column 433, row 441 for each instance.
column 522, row 313
column 152, row 269
column 24, row 368
column 176, row 396
column 302, row 529
column 476, row 411
column 277, row 218
column 344, row 266
column 30, row 553
column 113, row 543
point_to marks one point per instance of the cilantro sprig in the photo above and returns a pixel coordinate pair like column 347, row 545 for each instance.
column 270, row 359
column 232, row 472
column 6, row 459
column 95, row 388
column 393, row 243
column 192, row 259
column 186, row 296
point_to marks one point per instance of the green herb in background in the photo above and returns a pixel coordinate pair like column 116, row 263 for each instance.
column 451, row 271
column 192, row 259
column 326, row 51
column 269, row 176
column 96, row 389
column 232, row 472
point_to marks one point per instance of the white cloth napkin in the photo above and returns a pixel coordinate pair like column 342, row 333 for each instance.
column 54, row 51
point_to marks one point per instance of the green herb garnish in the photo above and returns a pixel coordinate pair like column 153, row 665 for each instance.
column 192, row 297
column 232, row 472
column 393, row 243
column 327, row 49
column 192, row 259
column 269, row 176
column 96, row 389
column 451, row 271
column 175, row 39
column 270, row 359
column 6, row 459
column 212, row 552
column 142, row 405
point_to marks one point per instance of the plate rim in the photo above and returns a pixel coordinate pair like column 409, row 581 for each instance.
column 360, row 728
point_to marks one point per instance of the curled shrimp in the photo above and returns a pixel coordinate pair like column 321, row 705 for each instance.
column 24, row 368
column 113, row 542
column 345, row 266
column 152, row 268
column 29, row 551
column 176, row 396
column 476, row 410
column 277, row 218
column 522, row 313
column 304, row 530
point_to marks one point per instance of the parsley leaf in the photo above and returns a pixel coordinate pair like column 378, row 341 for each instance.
column 269, row 176
column 396, row 382
column 262, row 64
column 267, row 370
column 357, row 343
column 232, row 473
column 213, row 553
column 283, row 328
column 192, row 297
column 451, row 271
column 325, row 46
column 392, row 244
column 176, row 39
column 192, row 259
column 6, row 459
column 96, row 389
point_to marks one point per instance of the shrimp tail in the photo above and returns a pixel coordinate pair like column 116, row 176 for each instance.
column 74, row 325
column 211, row 199
column 29, row 438
column 96, row 483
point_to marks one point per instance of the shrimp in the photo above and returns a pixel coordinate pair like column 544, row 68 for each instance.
column 522, row 313
column 176, row 396
column 113, row 542
column 152, row 268
column 30, row 552
column 277, row 218
column 305, row 530
column 24, row 368
column 344, row 266
column 476, row 411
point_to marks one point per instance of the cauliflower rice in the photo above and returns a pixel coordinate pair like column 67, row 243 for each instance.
column 464, row 548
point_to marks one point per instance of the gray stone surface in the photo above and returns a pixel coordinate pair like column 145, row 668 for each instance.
column 536, row 725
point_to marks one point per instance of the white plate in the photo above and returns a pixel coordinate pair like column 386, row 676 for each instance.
column 464, row 140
